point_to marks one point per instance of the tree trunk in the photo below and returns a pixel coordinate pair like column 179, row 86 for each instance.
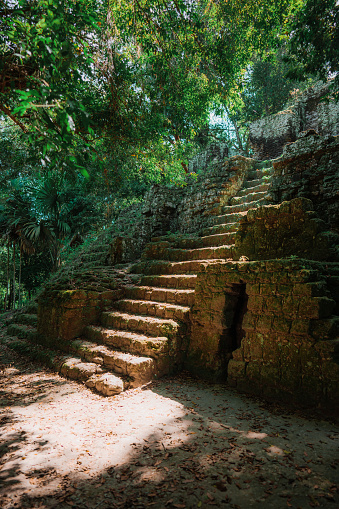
column 237, row 133
column 7, row 278
column 19, row 290
column 10, row 298
column 13, row 275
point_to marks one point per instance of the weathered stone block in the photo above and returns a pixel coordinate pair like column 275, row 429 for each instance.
column 288, row 229
column 236, row 372
column 63, row 315
column 238, row 355
column 314, row 289
column 273, row 304
column 255, row 303
column 264, row 322
column 300, row 327
column 269, row 135
column 284, row 289
column 250, row 321
column 253, row 375
column 269, row 377
column 281, row 324
column 268, row 289
column 309, row 168
column 253, row 289
column 290, row 365
column 324, row 329
column 316, row 307
column 271, row 350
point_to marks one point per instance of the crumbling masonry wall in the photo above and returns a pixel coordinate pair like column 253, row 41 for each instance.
column 268, row 324
column 269, row 135
column 292, row 228
column 309, row 168
column 181, row 210
column 289, row 348
column 189, row 209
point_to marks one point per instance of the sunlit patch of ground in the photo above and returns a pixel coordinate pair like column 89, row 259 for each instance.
column 178, row 443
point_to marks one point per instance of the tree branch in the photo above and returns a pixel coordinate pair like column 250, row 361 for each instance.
column 8, row 112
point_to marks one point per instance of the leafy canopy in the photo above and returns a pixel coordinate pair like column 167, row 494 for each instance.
column 48, row 52
column 313, row 40
column 140, row 73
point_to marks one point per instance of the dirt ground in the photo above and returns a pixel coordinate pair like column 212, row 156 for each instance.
column 179, row 443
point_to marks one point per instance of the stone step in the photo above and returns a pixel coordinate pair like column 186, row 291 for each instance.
column 206, row 241
column 155, row 252
column 172, row 281
column 150, row 326
column 228, row 218
column 220, row 229
column 94, row 255
column 260, row 173
column 131, row 342
column 76, row 369
column 249, row 197
column 255, row 188
column 27, row 319
column 158, row 294
column 73, row 367
column 241, row 207
column 93, row 375
column 333, row 269
column 22, row 331
column 221, row 239
column 152, row 308
column 92, row 264
column 203, row 253
column 234, row 209
column 267, row 163
column 106, row 384
column 251, row 183
column 165, row 238
column 166, row 268
column 140, row 369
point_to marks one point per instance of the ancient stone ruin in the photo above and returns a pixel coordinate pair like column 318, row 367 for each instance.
column 312, row 112
column 234, row 277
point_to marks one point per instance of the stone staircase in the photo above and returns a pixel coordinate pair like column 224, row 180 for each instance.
column 24, row 325
column 145, row 335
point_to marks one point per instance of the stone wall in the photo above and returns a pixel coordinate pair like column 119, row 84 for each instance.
column 64, row 314
column 160, row 215
column 269, row 134
column 213, row 155
column 210, row 193
column 188, row 210
column 291, row 228
column 310, row 168
column 270, row 325
column 290, row 348
column 280, row 312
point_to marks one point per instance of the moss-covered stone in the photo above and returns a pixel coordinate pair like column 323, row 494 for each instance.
column 289, row 229
column 63, row 315
column 288, row 346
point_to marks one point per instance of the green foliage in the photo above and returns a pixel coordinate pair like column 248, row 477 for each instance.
column 41, row 219
column 47, row 58
column 263, row 90
column 313, row 40
column 121, row 94
column 184, row 54
column 82, row 81
column 266, row 90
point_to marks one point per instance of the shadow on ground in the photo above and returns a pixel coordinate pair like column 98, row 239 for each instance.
column 180, row 443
